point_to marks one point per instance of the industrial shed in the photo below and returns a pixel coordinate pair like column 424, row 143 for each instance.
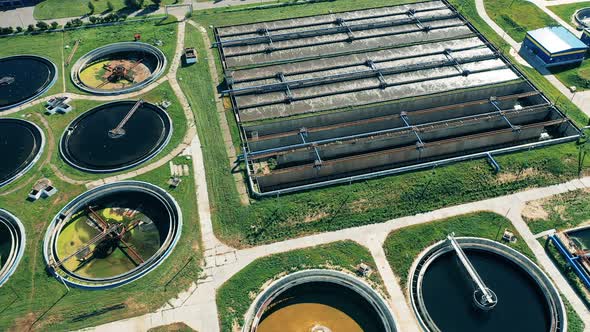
column 555, row 46
column 348, row 96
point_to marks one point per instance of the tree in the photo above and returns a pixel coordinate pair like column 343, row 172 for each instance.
column 133, row 4
column 157, row 3
column 91, row 7
column 31, row 28
column 42, row 25
column 110, row 6
column 93, row 19
column 54, row 25
column 19, row 29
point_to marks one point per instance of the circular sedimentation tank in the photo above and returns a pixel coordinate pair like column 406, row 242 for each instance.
column 118, row 68
column 24, row 78
column 22, row 143
column 582, row 17
column 88, row 143
column 319, row 301
column 112, row 235
column 12, row 244
column 442, row 293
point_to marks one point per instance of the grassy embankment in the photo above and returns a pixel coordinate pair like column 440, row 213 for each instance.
column 236, row 295
column 403, row 246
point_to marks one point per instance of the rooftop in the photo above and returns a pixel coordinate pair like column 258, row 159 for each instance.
column 557, row 39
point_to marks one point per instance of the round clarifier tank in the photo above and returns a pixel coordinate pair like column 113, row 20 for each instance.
column 118, row 68
column 24, row 78
column 88, row 143
column 112, row 235
column 22, row 143
column 442, row 291
column 582, row 17
column 12, row 244
column 319, row 301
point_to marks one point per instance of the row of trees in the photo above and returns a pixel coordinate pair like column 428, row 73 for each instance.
column 40, row 26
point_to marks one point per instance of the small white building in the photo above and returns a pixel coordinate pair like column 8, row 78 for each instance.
column 58, row 104
column 190, row 55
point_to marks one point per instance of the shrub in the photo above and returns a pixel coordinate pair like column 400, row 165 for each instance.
column 110, row 6
column 30, row 28
column 91, row 7
column 54, row 25
column 93, row 19
column 157, row 3
column 19, row 29
column 42, row 25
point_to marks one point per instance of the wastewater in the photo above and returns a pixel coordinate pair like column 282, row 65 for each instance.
column 320, row 307
column 448, row 295
column 89, row 146
column 21, row 141
column 22, row 78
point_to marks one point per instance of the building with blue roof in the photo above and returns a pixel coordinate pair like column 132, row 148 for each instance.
column 555, row 46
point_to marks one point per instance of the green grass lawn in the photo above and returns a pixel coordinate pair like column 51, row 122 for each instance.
column 516, row 17
column 52, row 9
column 235, row 296
column 558, row 212
column 574, row 75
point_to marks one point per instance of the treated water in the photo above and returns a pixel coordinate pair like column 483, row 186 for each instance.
column 320, row 305
column 122, row 208
column 90, row 146
column 448, row 295
column 19, row 140
column 581, row 238
column 23, row 77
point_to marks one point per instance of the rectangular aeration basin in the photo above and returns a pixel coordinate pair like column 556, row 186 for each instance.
column 347, row 96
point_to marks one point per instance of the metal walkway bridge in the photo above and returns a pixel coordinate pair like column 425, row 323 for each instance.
column 483, row 297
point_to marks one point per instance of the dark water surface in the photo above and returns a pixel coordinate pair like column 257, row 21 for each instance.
column 90, row 146
column 448, row 296
column 19, row 144
column 581, row 238
column 31, row 76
